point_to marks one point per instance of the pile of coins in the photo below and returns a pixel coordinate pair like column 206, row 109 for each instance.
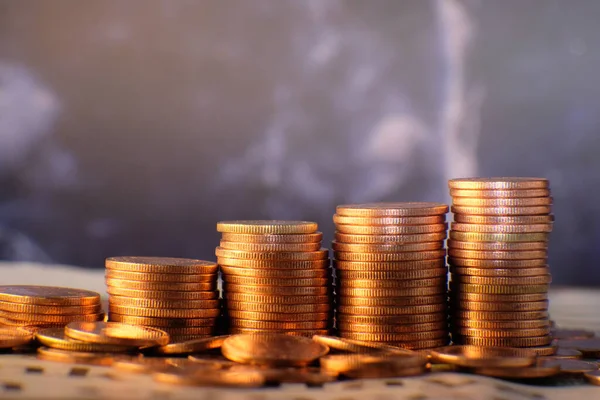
column 25, row 305
column 177, row 295
column 276, row 277
column 391, row 275
column 498, row 253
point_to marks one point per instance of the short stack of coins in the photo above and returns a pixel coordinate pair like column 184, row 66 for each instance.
column 391, row 275
column 276, row 276
column 27, row 305
column 176, row 295
column 498, row 255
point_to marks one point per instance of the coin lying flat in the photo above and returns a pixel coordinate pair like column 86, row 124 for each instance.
column 520, row 373
column 498, row 289
column 56, row 338
column 212, row 360
column 275, row 282
column 575, row 367
column 280, row 317
column 494, row 263
column 500, row 272
column 387, row 248
column 395, row 266
column 566, row 354
column 269, row 247
column 500, row 298
column 48, row 295
column 500, row 325
column 357, row 346
column 502, row 280
column 502, row 211
column 14, row 318
column 150, row 277
column 276, row 299
column 371, row 221
column 162, row 322
column 543, row 351
column 572, row 334
column 116, row 333
column 507, row 333
column 502, row 202
column 166, row 286
column 475, row 356
column 164, row 312
column 192, row 346
column 590, row 348
column 500, row 315
column 267, row 227
column 75, row 357
column 12, row 337
column 504, row 220
column 503, row 342
column 438, row 281
column 593, row 377
column 278, row 256
column 49, row 309
column 495, row 183
column 385, row 328
column 278, row 325
column 210, row 377
column 391, row 229
column 316, row 290
column 279, row 308
column 400, row 209
column 161, row 265
column 390, row 301
column 410, row 310
column 418, row 318
column 499, row 193
column 161, row 294
column 498, row 255
column 272, row 264
column 389, row 239
column 499, row 237
column 393, row 292
column 344, row 363
column 276, row 273
column 152, row 303
column 145, row 365
column 316, row 237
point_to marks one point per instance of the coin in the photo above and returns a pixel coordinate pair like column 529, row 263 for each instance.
column 502, row 280
column 500, row 316
column 505, row 333
column 391, row 229
column 500, row 325
column 409, row 328
column 283, row 317
column 165, row 313
column 389, row 284
column 470, row 262
column 488, row 306
column 389, row 239
column 357, row 346
column 277, row 282
column 501, row 272
column 192, row 346
column 506, row 220
column 424, row 309
column 501, row 211
column 277, row 299
column 211, row 360
column 566, row 354
column 279, row 308
column 273, row 227
column 390, row 301
column 161, row 265
column 283, row 325
column 575, row 367
column 395, row 337
column 370, row 221
column 48, row 295
column 298, row 332
column 276, row 290
column 272, row 264
column 498, row 237
column 486, row 357
column 387, row 248
column 75, row 357
column 503, row 342
column 590, row 348
column 386, row 257
column 345, row 363
column 423, row 344
column 478, row 228
column 572, row 334
column 162, row 295
column 272, row 349
column 498, row 255
column 316, row 237
column 195, row 331
column 152, row 303
column 543, row 351
column 55, row 338
column 49, row 309
column 495, row 183
column 393, row 275
column 270, row 247
column 116, row 333
column 162, row 322
column 502, row 202
column 167, row 286
column 401, row 209
column 395, row 292
column 9, row 318
column 497, row 289
column 499, row 193
column 282, row 256
column 593, row 377
column 374, row 266
column 390, row 319
column 520, row 373
column 145, row 365
column 210, row 377
column 149, row 277
column 277, row 273
column 310, row 376
column 10, row 337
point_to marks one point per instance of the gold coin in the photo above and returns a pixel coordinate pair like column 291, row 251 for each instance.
column 399, row 209
column 496, row 183
column 162, row 295
column 149, row 277
column 270, row 247
column 75, row 357
column 395, row 337
column 278, row 308
column 500, row 316
column 49, row 309
column 273, row 227
column 520, row 373
column 375, row 266
column 345, row 363
column 501, row 272
column 316, row 237
column 11, row 337
column 480, row 263
column 572, row 334
column 161, row 265
column 162, row 322
column 503, row 211
column 411, row 328
column 272, row 350
column 357, row 346
column 500, row 325
column 145, row 365
column 150, row 303
column 210, row 377
column 593, row 377
column 396, row 275
column 504, row 220
column 391, row 284
column 479, row 228
column 279, row 282
column 499, row 298
column 411, row 310
column 498, row 255
column 396, row 292
column 280, row 317
column 279, row 256
column 277, row 273
column 566, row 354
column 273, row 264
column 371, row 221
column 211, row 360
column 165, row 313
column 503, row 342
column 386, row 257
column 423, row 344
column 508, row 333
column 499, row 193
column 392, row 229
column 276, row 299
column 590, row 348
column 48, row 295
column 502, row 202
column 116, row 333
column 167, row 286
column 502, row 280
column 389, row 239
column 192, row 346
column 275, row 325
column 499, row 237
column 482, row 357
column 390, row 319
column 10, row 318
column 278, row 290
column 543, row 351
column 497, row 289
column 56, row 338
column 387, row 248
column 390, row 301
column 574, row 367
column 195, row 331
column 304, row 332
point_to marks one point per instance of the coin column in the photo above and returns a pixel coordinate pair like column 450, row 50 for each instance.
column 498, row 252
column 176, row 295
column 276, row 277
column 391, row 275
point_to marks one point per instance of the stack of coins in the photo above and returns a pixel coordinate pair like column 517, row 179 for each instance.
column 498, row 252
column 24, row 305
column 391, row 275
column 176, row 295
column 276, row 277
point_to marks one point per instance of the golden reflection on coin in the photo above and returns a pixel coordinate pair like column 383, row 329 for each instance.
column 392, row 229
column 14, row 318
column 277, row 273
column 167, row 286
column 405, row 328
column 475, row 356
column 374, row 266
column 277, row 256
column 356, row 346
column 275, row 227
column 371, row 221
column 116, row 333
column 316, row 237
column 503, row 342
column 270, row 247
column 192, row 346
column 276, row 299
column 279, row 308
column 532, row 372
column 165, row 313
column 389, row 275
column 210, row 377
column 152, row 303
column 593, row 377
column 507, row 333
column 502, row 211
column 504, row 289
column 389, row 239
column 162, row 322
column 495, row 183
column 501, row 272
column 497, row 246
column 504, row 220
column 49, row 309
column 48, row 295
column 75, row 357
column 498, row 237
column 272, row 264
column 144, row 365
column 278, row 325
column 387, row 248
column 275, row 282
column 148, row 277
column 344, row 363
column 162, row 295
column 419, row 318
column 410, row 310
column 470, row 262
column 390, row 301
column 499, row 315
column 399, row 209
column 161, row 265
column 389, row 284
column 500, row 325
column 502, row 202
column 498, row 255
column 477, row 228
column 499, row 297
column 502, row 280
column 499, row 193
column 56, row 338
column 395, row 292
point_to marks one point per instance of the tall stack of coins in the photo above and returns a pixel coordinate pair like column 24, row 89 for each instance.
column 176, row 295
column 391, row 275
column 497, row 254
column 276, row 277
column 26, row 305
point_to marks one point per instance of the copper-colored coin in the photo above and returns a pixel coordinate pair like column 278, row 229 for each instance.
column 165, row 313
column 497, row 246
column 211, row 360
column 574, row 367
column 500, row 316
column 504, row 220
column 566, row 354
column 389, row 239
column 392, row 229
column 590, row 348
column 390, row 319
column 396, row 275
column 374, row 221
column 593, row 377
column 297, row 332
column 572, row 334
column 395, row 337
column 56, row 338
column 11, row 337
column 192, row 346
column 116, row 333
column 273, row 264
column 497, row 289
column 278, row 290
column 161, row 265
column 167, row 286
column 396, row 292
column 412, row 328
column 498, row 237
column 386, row 257
column 49, row 309
column 278, row 308
column 400, row 209
column 357, row 346
column 474, row 356
column 503, row 280
column 8, row 318
column 270, row 247
column 278, row 282
column 543, row 351
column 203, row 376
column 505, row 333
column 502, row 202
column 499, row 193
column 387, row 248
column 151, row 303
column 502, row 211
column 501, row 272
column 149, row 277
column 278, row 256
column 75, row 357
column 390, row 301
column 145, row 365
column 273, row 227
column 194, row 331
column 162, row 322
column 282, row 317
column 275, row 325
column 479, row 228
column 423, row 344
column 311, row 376
column 162, row 295
column 520, row 373
column 503, row 342
column 500, row 325
column 498, row 255
column 48, row 295
column 276, row 299
column 346, row 363
column 375, row 266
column 488, row 306
column 499, row 297
column 425, row 309
column 470, row 262
column 272, row 349
column 391, row 284
column 316, row 237
column 277, row 273
column 495, row 183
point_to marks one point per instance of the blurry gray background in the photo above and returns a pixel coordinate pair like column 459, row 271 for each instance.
column 131, row 127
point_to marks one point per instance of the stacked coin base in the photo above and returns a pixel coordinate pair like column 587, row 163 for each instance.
column 498, row 255
column 176, row 295
column 391, row 276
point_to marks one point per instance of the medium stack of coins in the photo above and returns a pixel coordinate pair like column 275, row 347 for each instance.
column 176, row 295
column 391, row 275
column 25, row 305
column 276, row 277
column 497, row 254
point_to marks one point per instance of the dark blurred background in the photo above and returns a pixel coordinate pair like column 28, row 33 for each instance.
column 131, row 127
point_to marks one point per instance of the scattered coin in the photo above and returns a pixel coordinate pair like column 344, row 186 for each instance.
column 346, row 363
column 192, row 346
column 593, row 377
column 566, row 354
column 567, row 366
column 520, row 373
column 572, row 334
column 144, row 365
column 484, row 357
column 210, row 377
column 75, row 357
column 48, row 295
column 356, row 346
column 116, row 333
column 55, row 338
